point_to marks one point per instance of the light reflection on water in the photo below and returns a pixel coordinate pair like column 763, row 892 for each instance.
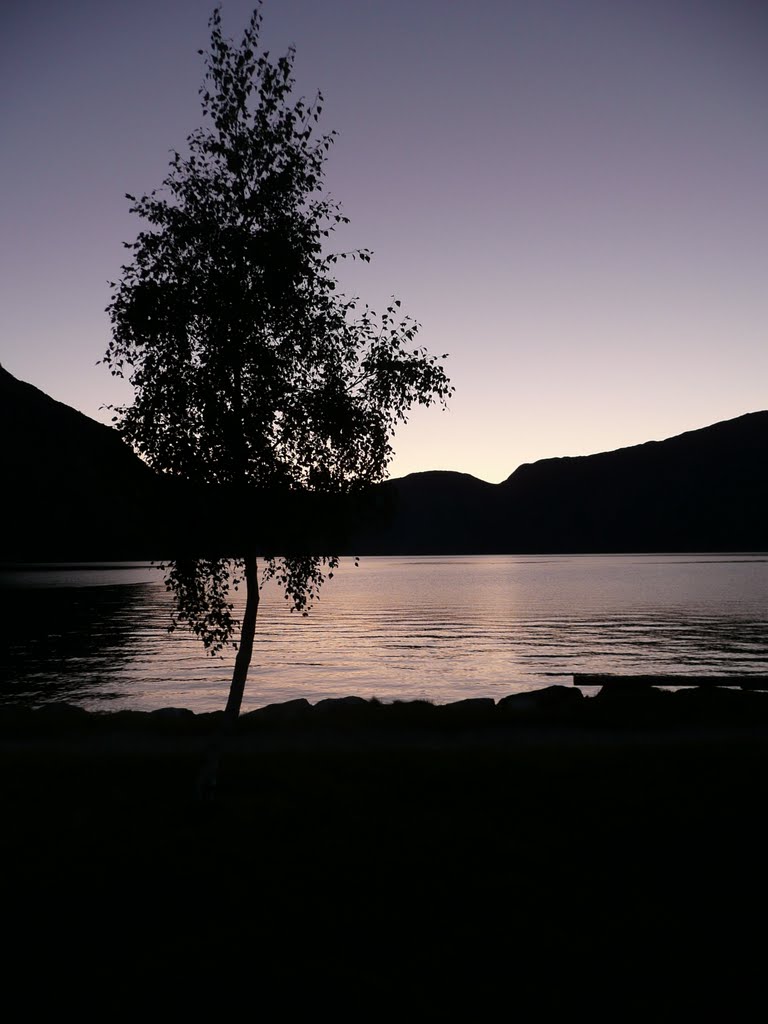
column 394, row 628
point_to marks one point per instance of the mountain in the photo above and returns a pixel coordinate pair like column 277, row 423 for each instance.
column 75, row 490
column 46, row 442
column 704, row 490
column 72, row 487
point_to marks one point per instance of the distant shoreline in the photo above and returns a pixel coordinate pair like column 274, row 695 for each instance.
column 157, row 563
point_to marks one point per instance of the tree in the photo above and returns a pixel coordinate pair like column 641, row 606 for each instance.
column 250, row 370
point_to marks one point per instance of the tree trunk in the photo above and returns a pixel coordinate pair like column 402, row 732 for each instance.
column 208, row 775
column 245, row 647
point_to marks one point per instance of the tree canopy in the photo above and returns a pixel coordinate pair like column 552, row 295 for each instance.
column 249, row 367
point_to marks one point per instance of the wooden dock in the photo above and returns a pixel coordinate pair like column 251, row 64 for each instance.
column 626, row 682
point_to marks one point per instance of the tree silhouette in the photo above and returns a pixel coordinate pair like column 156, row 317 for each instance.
column 250, row 370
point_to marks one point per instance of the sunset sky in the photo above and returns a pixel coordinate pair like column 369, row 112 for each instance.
column 569, row 195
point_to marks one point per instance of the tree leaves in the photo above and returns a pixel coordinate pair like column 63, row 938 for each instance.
column 249, row 367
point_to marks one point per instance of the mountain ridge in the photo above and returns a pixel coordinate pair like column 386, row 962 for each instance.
column 79, row 491
column 751, row 417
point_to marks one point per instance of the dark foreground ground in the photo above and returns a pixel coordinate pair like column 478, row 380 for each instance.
column 602, row 856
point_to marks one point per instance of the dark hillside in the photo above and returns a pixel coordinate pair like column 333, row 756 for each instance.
column 74, row 490
column 433, row 513
column 703, row 490
column 72, row 487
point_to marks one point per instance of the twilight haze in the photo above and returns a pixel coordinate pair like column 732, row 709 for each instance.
column 569, row 196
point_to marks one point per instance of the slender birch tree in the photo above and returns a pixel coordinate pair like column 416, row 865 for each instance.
column 250, row 370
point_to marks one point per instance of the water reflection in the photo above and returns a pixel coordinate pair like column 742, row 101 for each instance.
column 395, row 628
column 64, row 642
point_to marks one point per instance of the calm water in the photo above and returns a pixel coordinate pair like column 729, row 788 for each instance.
column 393, row 628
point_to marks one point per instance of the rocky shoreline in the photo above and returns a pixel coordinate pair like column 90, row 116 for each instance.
column 558, row 712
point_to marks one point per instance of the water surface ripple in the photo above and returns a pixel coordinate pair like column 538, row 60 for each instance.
column 393, row 628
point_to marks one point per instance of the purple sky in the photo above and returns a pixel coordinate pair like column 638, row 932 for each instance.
column 569, row 195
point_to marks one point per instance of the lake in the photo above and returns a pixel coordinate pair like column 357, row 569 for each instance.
column 440, row 628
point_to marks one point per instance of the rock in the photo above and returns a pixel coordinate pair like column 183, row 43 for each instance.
column 284, row 712
column 546, row 700
column 471, row 708
column 62, row 709
column 621, row 690
column 333, row 704
column 175, row 713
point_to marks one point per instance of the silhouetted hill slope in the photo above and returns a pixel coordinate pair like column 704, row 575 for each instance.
column 74, row 490
column 47, row 442
column 437, row 512
column 72, row 487
column 703, row 490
